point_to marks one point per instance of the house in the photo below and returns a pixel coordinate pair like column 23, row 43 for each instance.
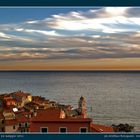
column 23, row 123
column 10, row 102
column 11, row 125
column 31, row 107
column 8, row 114
column 22, row 98
column 20, row 122
column 55, row 120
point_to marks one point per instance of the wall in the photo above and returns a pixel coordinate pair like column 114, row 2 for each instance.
column 10, row 128
column 54, row 126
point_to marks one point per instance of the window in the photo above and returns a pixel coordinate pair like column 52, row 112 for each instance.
column 63, row 129
column 20, row 124
column 44, row 130
column 83, row 129
column 26, row 124
column 2, row 121
column 2, row 129
column 14, row 127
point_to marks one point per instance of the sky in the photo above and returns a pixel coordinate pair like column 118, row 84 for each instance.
column 70, row 38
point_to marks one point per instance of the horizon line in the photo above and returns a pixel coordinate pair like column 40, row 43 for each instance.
column 73, row 70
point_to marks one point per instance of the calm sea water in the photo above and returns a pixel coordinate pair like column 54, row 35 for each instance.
column 112, row 98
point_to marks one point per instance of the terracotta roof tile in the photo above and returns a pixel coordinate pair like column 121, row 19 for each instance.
column 20, row 93
column 47, row 114
column 53, row 114
column 101, row 128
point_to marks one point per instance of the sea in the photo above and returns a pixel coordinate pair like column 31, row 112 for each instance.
column 111, row 97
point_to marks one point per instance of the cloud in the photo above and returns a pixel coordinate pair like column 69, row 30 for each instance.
column 48, row 33
column 3, row 35
column 110, row 32
column 104, row 19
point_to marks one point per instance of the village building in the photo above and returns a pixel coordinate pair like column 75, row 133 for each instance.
column 23, row 123
column 22, row 112
column 10, row 102
column 11, row 125
column 21, row 97
column 8, row 114
column 55, row 120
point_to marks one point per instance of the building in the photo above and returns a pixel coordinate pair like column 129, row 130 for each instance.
column 20, row 112
column 11, row 125
column 55, row 120
column 82, row 107
column 10, row 102
column 21, row 98
column 8, row 114
column 23, row 123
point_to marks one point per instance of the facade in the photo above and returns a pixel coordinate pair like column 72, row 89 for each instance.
column 10, row 102
column 55, row 120
column 11, row 125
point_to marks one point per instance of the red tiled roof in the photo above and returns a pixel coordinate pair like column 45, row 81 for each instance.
column 101, row 128
column 47, row 114
column 53, row 114
column 7, row 97
column 20, row 93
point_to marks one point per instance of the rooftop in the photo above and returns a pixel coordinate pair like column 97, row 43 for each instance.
column 21, row 93
column 54, row 114
column 101, row 128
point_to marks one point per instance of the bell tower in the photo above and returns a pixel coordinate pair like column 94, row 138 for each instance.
column 82, row 107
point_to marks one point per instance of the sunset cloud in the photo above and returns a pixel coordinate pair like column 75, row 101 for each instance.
column 75, row 33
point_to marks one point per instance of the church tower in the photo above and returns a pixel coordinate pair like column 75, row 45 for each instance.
column 82, row 107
